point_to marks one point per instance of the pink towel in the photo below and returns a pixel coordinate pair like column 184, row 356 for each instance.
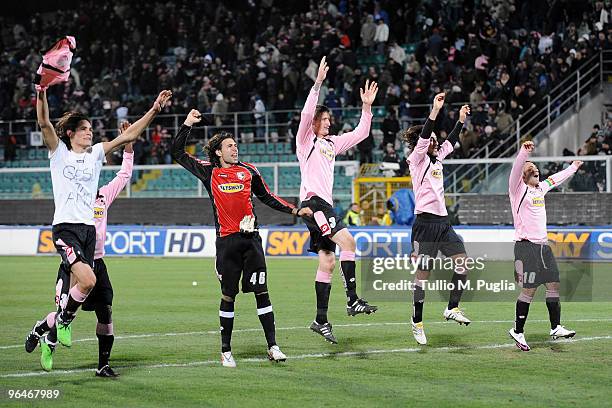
column 55, row 67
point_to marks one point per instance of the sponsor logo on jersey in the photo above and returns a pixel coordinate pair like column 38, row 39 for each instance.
column 231, row 187
column 538, row 201
column 437, row 173
column 98, row 212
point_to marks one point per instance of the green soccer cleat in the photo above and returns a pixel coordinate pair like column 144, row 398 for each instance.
column 46, row 357
column 64, row 332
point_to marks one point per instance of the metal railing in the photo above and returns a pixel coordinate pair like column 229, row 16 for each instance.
column 242, row 124
column 538, row 118
column 192, row 188
column 600, row 167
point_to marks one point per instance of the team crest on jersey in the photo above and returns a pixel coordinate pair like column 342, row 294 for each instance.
column 538, row 201
column 231, row 187
column 327, row 150
column 437, row 173
column 240, row 175
column 98, row 212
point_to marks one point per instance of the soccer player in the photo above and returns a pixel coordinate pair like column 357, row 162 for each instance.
column 316, row 152
column 534, row 261
column 431, row 231
column 230, row 185
column 100, row 298
column 75, row 170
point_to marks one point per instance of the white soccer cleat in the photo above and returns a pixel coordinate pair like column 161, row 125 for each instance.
column 275, row 354
column 561, row 332
column 457, row 315
column 519, row 339
column 228, row 360
column 418, row 331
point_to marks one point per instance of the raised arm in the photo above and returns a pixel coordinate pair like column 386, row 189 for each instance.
column 453, row 137
column 111, row 190
column 46, row 127
column 349, row 139
column 422, row 145
column 199, row 168
column 310, row 107
column 132, row 133
column 556, row 179
column 516, row 174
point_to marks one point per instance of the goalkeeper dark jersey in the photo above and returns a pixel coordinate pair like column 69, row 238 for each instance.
column 230, row 189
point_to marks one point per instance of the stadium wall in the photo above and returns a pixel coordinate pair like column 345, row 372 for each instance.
column 561, row 209
column 184, row 241
column 145, row 211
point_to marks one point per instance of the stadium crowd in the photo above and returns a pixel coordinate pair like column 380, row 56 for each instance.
column 501, row 56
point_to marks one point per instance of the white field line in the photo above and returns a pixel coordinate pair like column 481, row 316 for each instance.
column 199, row 333
column 311, row 356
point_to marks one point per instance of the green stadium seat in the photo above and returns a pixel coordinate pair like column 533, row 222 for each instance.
column 261, row 148
column 270, row 148
column 279, row 148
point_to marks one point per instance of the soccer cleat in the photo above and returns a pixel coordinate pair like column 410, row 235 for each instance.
column 46, row 353
column 324, row 330
column 228, row 360
column 519, row 339
column 418, row 331
column 561, row 332
column 64, row 331
column 457, row 315
column 32, row 339
column 275, row 354
column 107, row 372
column 360, row 306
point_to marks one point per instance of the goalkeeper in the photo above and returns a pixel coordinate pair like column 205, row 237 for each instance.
column 230, row 185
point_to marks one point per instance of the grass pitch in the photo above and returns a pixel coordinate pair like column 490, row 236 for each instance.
column 167, row 346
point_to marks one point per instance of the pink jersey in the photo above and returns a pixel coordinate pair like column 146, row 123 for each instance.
column 428, row 176
column 528, row 209
column 106, row 196
column 317, row 155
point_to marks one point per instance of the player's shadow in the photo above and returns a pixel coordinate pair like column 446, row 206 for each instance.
column 542, row 342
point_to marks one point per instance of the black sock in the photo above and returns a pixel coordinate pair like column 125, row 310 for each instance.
column 42, row 328
column 266, row 317
column 105, row 345
column 52, row 336
column 455, row 294
column 522, row 310
column 347, row 268
column 226, row 318
column 554, row 311
column 418, row 296
column 323, row 290
column 69, row 312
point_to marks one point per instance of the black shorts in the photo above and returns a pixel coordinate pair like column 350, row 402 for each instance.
column 241, row 255
column 432, row 233
column 534, row 264
column 101, row 294
column 75, row 242
column 318, row 241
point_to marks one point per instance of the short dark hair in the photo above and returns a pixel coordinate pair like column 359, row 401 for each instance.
column 320, row 110
column 411, row 135
column 214, row 144
column 69, row 121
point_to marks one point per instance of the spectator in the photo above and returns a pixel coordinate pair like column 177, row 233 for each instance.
column 381, row 36
column 353, row 215
column 390, row 128
column 368, row 32
column 10, row 148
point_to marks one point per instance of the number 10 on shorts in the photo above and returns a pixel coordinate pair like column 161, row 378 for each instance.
column 262, row 278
